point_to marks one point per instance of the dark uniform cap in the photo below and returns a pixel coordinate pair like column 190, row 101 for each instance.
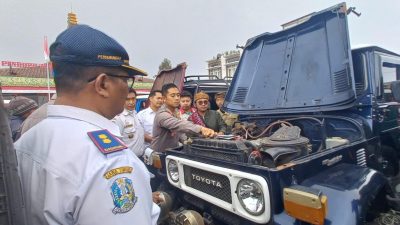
column 83, row 45
column 20, row 105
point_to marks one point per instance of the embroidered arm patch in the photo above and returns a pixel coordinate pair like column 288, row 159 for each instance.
column 123, row 195
column 116, row 171
column 106, row 142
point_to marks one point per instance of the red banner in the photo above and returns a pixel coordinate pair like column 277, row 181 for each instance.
column 22, row 64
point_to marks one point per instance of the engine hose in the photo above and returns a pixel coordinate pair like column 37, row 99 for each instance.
column 267, row 129
column 305, row 117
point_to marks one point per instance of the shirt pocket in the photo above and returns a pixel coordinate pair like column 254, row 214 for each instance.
column 129, row 128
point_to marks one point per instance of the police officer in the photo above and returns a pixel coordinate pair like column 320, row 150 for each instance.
column 129, row 125
column 74, row 168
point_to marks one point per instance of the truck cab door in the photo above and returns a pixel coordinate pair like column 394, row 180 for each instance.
column 387, row 78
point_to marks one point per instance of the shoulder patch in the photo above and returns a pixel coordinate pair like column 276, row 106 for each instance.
column 116, row 171
column 123, row 195
column 106, row 142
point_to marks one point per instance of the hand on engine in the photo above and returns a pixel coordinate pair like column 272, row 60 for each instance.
column 207, row 132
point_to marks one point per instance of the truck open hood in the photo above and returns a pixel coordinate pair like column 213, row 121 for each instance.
column 304, row 68
column 175, row 75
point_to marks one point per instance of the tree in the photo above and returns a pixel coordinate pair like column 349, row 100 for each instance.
column 165, row 65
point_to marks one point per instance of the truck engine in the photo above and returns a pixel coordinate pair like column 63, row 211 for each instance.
column 276, row 143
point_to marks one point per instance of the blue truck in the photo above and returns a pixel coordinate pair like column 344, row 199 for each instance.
column 318, row 137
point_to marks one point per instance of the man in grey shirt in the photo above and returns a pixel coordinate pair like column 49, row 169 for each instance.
column 168, row 128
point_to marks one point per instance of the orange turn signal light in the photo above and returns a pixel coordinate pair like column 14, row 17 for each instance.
column 305, row 204
column 157, row 161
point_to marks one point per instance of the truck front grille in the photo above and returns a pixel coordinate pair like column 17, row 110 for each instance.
column 227, row 150
column 210, row 183
column 230, row 156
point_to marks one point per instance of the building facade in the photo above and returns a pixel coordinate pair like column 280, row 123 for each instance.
column 30, row 80
column 224, row 65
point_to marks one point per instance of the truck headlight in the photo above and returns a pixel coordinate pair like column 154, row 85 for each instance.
column 173, row 172
column 251, row 196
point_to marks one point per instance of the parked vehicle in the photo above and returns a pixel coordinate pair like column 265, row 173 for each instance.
column 210, row 84
column 318, row 140
column 141, row 102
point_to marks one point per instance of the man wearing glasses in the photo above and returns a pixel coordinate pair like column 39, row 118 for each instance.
column 206, row 117
column 72, row 165
column 129, row 125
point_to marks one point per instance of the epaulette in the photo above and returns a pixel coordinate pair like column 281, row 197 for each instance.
column 106, row 142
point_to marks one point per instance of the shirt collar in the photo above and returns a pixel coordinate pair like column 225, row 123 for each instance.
column 151, row 111
column 127, row 112
column 165, row 109
column 191, row 110
column 83, row 115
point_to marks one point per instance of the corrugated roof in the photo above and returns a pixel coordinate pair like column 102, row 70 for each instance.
column 37, row 77
column 41, row 72
column 32, row 72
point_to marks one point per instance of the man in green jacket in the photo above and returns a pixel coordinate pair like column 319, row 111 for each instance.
column 229, row 118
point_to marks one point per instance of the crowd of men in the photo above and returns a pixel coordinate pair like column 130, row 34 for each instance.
column 80, row 156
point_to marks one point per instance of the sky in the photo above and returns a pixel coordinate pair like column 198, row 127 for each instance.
column 191, row 31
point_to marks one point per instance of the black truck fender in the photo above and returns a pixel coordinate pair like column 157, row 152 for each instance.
column 351, row 191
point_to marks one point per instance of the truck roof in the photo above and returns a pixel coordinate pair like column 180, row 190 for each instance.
column 373, row 48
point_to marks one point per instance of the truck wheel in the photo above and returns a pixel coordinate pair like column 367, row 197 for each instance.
column 391, row 167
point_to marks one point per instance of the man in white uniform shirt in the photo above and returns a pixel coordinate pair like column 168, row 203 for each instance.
column 146, row 116
column 72, row 165
column 129, row 125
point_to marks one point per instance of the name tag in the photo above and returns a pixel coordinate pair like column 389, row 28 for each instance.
column 128, row 125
